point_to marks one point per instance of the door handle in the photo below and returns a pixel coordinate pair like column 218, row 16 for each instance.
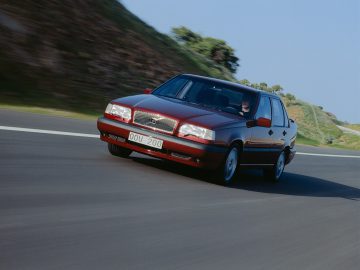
column 271, row 132
column 284, row 132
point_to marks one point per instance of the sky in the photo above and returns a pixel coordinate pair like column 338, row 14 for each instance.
column 310, row 47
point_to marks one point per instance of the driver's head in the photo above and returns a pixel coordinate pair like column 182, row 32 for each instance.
column 245, row 105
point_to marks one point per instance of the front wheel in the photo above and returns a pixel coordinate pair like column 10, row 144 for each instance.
column 229, row 170
column 118, row 151
column 274, row 174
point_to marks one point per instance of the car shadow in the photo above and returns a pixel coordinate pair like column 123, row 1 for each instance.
column 297, row 185
column 253, row 180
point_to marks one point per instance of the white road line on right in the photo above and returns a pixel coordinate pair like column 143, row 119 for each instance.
column 326, row 155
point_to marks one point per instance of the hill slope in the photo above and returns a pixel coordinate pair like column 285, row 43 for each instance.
column 317, row 127
column 79, row 54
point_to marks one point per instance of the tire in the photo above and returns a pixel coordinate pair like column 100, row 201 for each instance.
column 229, row 170
column 274, row 174
column 119, row 151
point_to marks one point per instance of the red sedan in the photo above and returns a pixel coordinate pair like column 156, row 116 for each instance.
column 205, row 123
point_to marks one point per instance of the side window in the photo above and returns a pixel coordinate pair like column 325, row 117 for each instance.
column 285, row 115
column 278, row 113
column 264, row 109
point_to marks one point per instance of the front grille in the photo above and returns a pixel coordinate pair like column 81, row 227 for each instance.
column 154, row 121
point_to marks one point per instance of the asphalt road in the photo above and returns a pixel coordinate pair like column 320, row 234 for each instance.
column 65, row 203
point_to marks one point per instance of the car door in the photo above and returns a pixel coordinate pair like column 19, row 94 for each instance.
column 279, row 126
column 260, row 147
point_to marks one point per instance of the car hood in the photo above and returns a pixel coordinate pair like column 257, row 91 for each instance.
column 180, row 110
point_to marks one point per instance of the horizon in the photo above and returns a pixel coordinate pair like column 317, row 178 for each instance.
column 316, row 42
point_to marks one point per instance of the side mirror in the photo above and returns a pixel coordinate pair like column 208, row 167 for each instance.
column 263, row 122
column 147, row 91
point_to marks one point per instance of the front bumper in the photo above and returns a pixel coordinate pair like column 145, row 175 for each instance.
column 174, row 148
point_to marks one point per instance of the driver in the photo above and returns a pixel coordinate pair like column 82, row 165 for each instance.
column 245, row 108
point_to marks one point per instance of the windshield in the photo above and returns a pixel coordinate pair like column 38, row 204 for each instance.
column 207, row 93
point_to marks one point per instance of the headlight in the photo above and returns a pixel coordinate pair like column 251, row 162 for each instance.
column 196, row 131
column 118, row 110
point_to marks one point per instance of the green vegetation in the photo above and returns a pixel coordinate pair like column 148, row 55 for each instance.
column 277, row 89
column 317, row 127
column 300, row 139
column 353, row 126
column 50, row 111
column 348, row 141
column 214, row 49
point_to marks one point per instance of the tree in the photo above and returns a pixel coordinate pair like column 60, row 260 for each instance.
column 185, row 35
column 276, row 89
column 245, row 82
column 215, row 49
column 263, row 86
column 290, row 97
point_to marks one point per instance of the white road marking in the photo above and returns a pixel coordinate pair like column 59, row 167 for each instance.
column 86, row 135
column 52, row 132
column 326, row 155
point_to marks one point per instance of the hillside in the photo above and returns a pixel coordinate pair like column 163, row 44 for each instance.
column 317, row 127
column 76, row 55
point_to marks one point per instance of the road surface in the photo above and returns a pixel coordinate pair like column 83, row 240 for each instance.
column 65, row 203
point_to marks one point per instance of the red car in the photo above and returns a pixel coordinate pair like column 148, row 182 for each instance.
column 205, row 123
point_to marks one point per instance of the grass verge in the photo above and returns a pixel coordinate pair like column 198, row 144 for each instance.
column 353, row 126
column 50, row 111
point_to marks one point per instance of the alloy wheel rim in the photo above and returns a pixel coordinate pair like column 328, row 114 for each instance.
column 280, row 165
column 231, row 164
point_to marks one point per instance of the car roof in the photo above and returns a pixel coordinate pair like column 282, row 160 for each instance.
column 248, row 88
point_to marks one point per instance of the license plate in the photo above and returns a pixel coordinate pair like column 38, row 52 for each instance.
column 145, row 140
